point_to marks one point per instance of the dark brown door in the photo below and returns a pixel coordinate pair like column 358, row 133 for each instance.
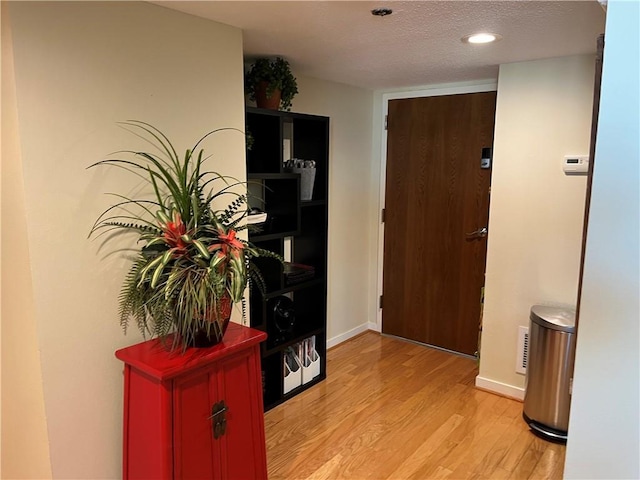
column 592, row 162
column 437, row 195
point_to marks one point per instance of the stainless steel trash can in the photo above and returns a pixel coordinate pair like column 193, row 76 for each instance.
column 552, row 346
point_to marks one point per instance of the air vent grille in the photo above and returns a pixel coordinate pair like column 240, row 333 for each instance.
column 523, row 350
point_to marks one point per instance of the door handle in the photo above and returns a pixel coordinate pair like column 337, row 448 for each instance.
column 480, row 233
column 218, row 419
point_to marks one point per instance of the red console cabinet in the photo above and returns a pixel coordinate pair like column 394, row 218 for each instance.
column 196, row 415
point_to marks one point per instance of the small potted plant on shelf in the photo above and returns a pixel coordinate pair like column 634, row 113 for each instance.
column 192, row 267
column 271, row 84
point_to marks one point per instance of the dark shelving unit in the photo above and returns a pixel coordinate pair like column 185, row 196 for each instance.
column 295, row 229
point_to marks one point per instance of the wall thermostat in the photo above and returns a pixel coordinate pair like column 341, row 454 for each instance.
column 576, row 164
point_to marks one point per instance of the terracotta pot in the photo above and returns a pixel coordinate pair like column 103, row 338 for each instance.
column 272, row 103
column 208, row 337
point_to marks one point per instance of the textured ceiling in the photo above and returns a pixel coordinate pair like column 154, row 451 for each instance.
column 418, row 44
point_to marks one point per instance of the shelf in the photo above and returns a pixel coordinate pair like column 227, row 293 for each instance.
column 260, row 303
column 304, row 327
column 271, row 236
column 278, row 195
column 308, row 315
column 277, row 282
column 283, row 114
column 294, row 287
column 298, row 338
column 272, row 176
column 312, row 203
column 304, row 387
column 265, row 111
column 296, row 230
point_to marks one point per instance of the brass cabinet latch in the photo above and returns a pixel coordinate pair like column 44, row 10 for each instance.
column 218, row 418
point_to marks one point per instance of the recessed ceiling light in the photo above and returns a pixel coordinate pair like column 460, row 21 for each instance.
column 381, row 12
column 482, row 38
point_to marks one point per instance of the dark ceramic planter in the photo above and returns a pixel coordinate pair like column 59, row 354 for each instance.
column 215, row 334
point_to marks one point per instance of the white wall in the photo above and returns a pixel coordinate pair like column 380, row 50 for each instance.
column 79, row 68
column 543, row 112
column 25, row 452
column 604, row 426
column 350, row 195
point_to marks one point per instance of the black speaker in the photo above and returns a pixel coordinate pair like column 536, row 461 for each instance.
column 284, row 315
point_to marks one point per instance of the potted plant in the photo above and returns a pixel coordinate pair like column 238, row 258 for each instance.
column 271, row 84
column 191, row 267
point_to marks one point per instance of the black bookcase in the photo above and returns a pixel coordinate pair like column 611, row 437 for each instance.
column 297, row 230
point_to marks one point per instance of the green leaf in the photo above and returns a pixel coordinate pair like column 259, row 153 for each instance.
column 158, row 135
column 201, row 248
column 145, row 270
column 215, row 261
column 163, row 263
column 163, row 217
column 155, row 188
column 195, row 206
column 156, row 241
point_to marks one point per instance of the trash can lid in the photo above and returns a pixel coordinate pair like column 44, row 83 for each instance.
column 556, row 318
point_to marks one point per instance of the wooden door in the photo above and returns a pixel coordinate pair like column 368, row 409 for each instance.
column 437, row 194
column 592, row 162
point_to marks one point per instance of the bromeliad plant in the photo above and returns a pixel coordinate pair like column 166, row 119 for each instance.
column 192, row 267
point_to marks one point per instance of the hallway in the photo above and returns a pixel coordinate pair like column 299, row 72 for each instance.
column 391, row 409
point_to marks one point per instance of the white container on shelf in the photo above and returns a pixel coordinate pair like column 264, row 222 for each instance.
column 292, row 371
column 307, row 180
column 311, row 366
column 307, row 171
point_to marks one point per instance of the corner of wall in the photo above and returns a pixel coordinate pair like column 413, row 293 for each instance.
column 536, row 216
column 604, row 422
column 109, row 62
column 350, row 194
column 25, row 444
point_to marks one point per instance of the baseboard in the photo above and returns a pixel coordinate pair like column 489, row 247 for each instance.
column 373, row 326
column 343, row 337
column 500, row 388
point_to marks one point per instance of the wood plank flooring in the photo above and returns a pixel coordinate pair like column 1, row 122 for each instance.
column 391, row 409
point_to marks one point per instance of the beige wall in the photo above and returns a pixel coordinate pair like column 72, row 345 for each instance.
column 536, row 215
column 350, row 194
column 79, row 68
column 25, row 452
column 604, row 426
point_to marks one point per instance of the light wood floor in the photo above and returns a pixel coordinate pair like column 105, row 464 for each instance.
column 390, row 409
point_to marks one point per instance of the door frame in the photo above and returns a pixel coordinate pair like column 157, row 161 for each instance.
column 427, row 91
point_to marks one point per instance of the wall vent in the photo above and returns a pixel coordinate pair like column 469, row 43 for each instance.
column 523, row 350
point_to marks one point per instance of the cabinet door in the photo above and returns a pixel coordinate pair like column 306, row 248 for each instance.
column 238, row 383
column 239, row 453
column 196, row 455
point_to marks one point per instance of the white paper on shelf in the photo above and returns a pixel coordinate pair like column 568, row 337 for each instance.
column 256, row 218
column 292, row 374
